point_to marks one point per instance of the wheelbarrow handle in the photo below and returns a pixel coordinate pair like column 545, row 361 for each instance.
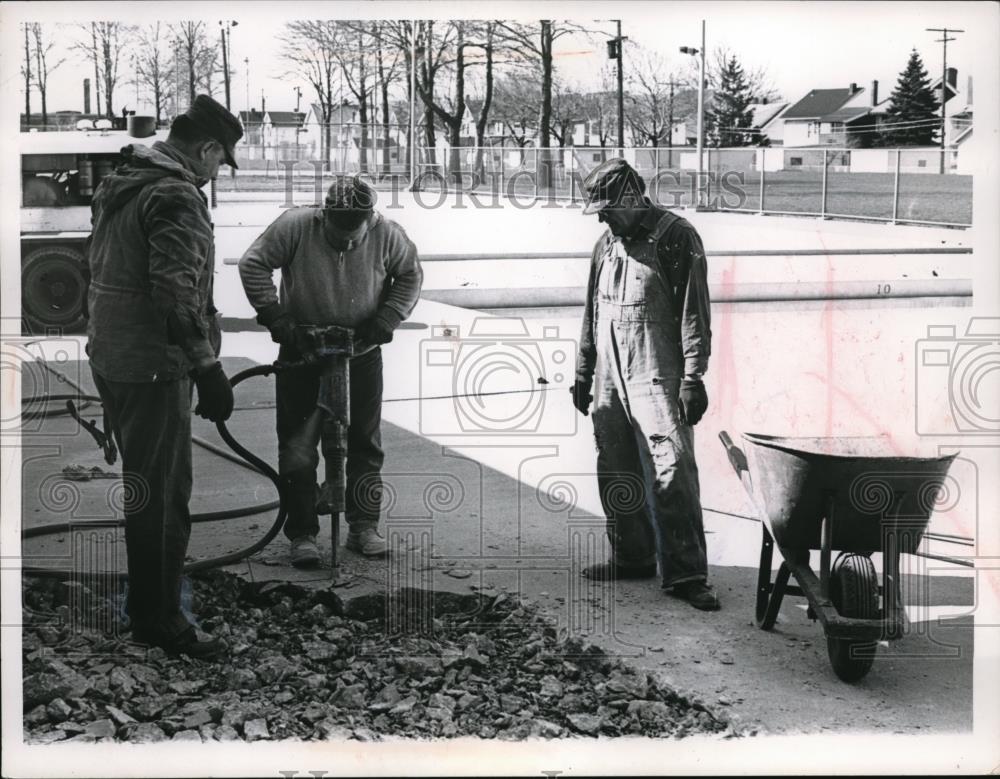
column 737, row 458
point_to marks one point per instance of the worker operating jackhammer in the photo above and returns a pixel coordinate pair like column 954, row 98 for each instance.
column 344, row 264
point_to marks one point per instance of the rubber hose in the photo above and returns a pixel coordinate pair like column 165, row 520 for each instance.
column 246, row 458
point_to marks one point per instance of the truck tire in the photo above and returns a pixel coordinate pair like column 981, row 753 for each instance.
column 53, row 289
column 854, row 592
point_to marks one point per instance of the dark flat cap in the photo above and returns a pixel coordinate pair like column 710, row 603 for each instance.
column 608, row 182
column 211, row 118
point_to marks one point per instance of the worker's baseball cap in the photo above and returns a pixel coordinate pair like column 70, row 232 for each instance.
column 608, row 182
column 351, row 193
column 211, row 118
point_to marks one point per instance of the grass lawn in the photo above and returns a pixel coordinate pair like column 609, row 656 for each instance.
column 922, row 196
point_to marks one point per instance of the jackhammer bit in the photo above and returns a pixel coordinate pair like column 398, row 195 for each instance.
column 332, row 349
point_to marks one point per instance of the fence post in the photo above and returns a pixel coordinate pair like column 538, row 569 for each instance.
column 895, row 190
column 763, row 167
column 822, row 202
column 502, row 190
column 572, row 182
column 536, row 172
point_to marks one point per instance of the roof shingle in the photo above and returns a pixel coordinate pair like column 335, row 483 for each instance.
column 819, row 102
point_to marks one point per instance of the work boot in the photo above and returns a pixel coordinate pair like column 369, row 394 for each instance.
column 304, row 552
column 365, row 540
column 698, row 594
column 611, row 571
column 192, row 642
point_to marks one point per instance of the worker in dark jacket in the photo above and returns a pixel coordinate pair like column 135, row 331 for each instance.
column 152, row 331
column 342, row 264
column 643, row 351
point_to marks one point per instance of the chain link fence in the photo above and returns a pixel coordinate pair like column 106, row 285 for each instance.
column 914, row 186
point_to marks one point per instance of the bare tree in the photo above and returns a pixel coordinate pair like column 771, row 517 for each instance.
column 198, row 57
column 44, row 66
column 535, row 41
column 600, row 109
column 354, row 50
column 387, row 67
column 516, row 102
column 153, row 68
column 567, row 111
column 26, row 73
column 104, row 45
column 490, row 47
column 308, row 48
column 654, row 105
column 452, row 115
column 434, row 50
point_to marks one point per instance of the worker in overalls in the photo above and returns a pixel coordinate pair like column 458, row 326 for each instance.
column 341, row 264
column 643, row 351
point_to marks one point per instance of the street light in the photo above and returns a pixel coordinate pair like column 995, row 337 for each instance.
column 701, row 104
column 226, row 33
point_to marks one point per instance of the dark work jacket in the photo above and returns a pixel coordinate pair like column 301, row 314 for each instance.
column 151, row 259
column 684, row 271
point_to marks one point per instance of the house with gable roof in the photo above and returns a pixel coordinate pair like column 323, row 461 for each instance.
column 831, row 117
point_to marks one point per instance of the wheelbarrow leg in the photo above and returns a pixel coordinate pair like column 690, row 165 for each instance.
column 777, row 595
column 764, row 574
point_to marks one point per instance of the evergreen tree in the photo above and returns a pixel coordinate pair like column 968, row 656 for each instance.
column 731, row 119
column 913, row 117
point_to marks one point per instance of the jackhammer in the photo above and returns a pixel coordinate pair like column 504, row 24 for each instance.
column 331, row 347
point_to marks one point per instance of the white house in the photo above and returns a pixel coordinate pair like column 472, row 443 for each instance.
column 767, row 121
column 825, row 117
column 282, row 133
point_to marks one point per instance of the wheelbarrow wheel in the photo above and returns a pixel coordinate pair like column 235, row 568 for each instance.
column 854, row 592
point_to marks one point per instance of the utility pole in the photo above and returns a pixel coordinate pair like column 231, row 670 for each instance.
column 298, row 98
column 226, row 33
column 246, row 76
column 615, row 52
column 670, row 124
column 701, row 114
column 943, row 40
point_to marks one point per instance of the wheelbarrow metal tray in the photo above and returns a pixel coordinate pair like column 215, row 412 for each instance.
column 867, row 490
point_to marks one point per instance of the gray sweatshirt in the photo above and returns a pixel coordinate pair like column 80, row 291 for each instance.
column 377, row 275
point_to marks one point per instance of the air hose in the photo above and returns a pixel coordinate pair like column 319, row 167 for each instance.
column 245, row 458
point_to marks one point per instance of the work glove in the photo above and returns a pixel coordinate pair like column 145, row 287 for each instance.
column 279, row 323
column 215, row 394
column 693, row 400
column 581, row 395
column 374, row 330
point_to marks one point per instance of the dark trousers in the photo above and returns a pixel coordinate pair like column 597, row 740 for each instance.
column 300, row 427
column 152, row 426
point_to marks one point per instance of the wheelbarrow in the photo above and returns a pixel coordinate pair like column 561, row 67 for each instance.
column 853, row 496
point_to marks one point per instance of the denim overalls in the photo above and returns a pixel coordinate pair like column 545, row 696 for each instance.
column 646, row 469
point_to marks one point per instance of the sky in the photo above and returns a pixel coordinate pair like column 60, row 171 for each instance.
column 801, row 45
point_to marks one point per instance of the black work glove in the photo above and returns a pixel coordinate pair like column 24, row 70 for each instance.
column 374, row 330
column 215, row 394
column 694, row 400
column 581, row 395
column 281, row 324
